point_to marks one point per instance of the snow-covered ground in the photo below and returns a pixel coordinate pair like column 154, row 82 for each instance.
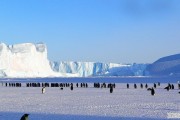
column 88, row 103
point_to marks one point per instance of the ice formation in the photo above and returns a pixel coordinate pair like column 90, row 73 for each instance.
column 24, row 60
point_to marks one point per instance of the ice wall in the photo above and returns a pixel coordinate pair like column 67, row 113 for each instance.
column 30, row 60
column 86, row 69
column 24, row 60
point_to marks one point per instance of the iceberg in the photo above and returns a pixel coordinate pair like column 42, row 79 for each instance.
column 87, row 69
column 24, row 60
column 30, row 60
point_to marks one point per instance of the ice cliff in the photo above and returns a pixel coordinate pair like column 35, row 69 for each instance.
column 86, row 69
column 30, row 60
column 24, row 60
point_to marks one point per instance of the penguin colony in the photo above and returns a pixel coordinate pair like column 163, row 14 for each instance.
column 109, row 86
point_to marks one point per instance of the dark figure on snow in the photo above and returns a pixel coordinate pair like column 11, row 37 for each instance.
column 71, row 87
column 152, row 92
column 141, row 85
column 167, row 88
column 77, row 85
column 111, row 89
column 146, row 86
column 172, row 86
column 169, row 85
column 154, row 85
column 43, row 90
column 127, row 85
column 24, row 117
column 159, row 83
column 135, row 86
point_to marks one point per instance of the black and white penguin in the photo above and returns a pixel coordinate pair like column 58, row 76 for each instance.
column 127, row 85
column 111, row 89
column 135, row 86
column 146, row 86
column 43, row 90
column 152, row 92
column 24, row 117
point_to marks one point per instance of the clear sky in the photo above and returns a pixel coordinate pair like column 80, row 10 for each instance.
column 120, row 31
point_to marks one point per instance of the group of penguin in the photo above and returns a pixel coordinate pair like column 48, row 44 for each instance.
column 168, row 87
column 85, row 85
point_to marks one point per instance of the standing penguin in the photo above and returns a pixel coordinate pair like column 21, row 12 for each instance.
column 172, row 86
column 43, row 90
column 71, row 87
column 111, row 89
column 154, row 85
column 127, row 85
column 135, row 86
column 146, row 85
column 24, row 117
column 152, row 92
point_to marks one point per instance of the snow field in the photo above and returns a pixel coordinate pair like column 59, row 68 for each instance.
column 88, row 103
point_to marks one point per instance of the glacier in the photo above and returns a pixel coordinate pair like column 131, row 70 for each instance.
column 28, row 60
column 24, row 60
column 90, row 69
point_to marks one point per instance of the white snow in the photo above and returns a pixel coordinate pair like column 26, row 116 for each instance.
column 88, row 103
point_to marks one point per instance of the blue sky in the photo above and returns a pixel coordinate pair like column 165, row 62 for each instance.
column 121, row 31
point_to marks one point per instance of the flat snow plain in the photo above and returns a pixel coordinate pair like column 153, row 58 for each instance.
column 89, row 103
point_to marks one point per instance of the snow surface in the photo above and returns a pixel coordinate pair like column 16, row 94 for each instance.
column 88, row 103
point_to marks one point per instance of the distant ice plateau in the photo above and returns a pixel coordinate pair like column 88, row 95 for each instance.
column 30, row 60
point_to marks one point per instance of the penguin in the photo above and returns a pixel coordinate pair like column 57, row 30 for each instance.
column 111, row 89
column 127, row 85
column 24, row 117
column 167, row 88
column 141, row 85
column 135, row 86
column 146, row 86
column 149, row 89
column 172, row 86
column 43, row 90
column 152, row 92
column 154, row 85
column 71, row 87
